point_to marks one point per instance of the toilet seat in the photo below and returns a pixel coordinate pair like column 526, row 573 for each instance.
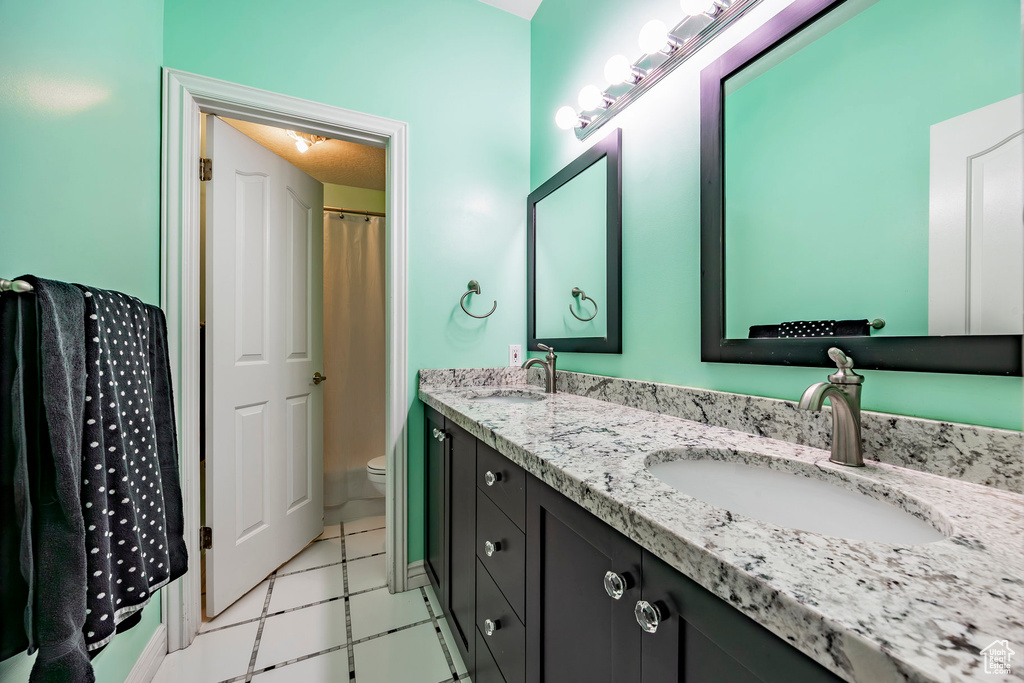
column 377, row 465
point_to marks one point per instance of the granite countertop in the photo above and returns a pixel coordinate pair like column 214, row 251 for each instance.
column 867, row 611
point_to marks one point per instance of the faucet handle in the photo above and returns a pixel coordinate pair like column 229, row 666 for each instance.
column 545, row 347
column 842, row 361
column 845, row 373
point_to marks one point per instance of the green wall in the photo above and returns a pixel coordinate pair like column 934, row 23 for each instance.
column 458, row 72
column 833, row 152
column 358, row 198
column 80, row 177
column 570, row 42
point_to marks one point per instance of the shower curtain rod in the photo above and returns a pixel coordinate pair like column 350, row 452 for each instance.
column 334, row 209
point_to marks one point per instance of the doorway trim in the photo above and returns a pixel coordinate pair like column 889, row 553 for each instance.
column 185, row 97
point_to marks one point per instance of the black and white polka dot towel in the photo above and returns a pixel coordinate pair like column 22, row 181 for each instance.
column 126, row 541
column 808, row 328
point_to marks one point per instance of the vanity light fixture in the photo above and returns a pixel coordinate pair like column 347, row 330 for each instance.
column 664, row 50
column 303, row 141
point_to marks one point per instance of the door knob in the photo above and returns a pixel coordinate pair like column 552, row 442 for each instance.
column 491, row 547
column 648, row 616
column 490, row 626
column 491, row 477
column 317, row 378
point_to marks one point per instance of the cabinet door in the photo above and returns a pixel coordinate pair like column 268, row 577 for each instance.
column 577, row 632
column 462, row 543
column 700, row 637
column 435, row 455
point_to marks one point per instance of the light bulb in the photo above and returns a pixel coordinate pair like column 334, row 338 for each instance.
column 566, row 118
column 618, row 69
column 653, row 36
column 590, row 98
column 301, row 145
column 696, row 7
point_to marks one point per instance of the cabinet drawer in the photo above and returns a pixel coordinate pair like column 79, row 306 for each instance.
column 507, row 564
column 508, row 487
column 507, row 644
column 486, row 669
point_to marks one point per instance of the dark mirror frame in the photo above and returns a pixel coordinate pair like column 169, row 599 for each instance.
column 610, row 147
column 967, row 354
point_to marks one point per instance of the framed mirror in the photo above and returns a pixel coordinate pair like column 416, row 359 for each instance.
column 574, row 254
column 862, row 170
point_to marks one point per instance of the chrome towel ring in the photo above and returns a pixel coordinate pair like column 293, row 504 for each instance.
column 582, row 296
column 474, row 288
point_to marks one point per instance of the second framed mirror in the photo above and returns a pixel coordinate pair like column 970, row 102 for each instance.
column 574, row 254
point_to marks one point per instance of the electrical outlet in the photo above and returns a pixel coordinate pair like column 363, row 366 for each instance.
column 515, row 355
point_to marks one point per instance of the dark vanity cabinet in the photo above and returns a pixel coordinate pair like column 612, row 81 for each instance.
column 451, row 525
column 537, row 589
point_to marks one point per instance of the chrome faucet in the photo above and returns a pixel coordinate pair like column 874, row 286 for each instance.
column 549, row 367
column 843, row 392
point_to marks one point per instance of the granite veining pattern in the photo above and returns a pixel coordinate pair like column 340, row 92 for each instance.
column 982, row 455
column 867, row 611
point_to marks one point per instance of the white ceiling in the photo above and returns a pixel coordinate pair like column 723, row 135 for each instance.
column 520, row 8
column 332, row 161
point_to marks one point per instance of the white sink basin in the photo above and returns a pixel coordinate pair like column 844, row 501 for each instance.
column 508, row 397
column 801, row 496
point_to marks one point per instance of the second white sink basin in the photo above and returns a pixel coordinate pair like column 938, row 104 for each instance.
column 802, row 497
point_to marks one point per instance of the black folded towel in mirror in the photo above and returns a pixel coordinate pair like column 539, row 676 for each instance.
column 812, row 328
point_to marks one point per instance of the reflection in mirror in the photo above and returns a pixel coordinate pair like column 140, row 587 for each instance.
column 574, row 254
column 874, row 168
column 571, row 235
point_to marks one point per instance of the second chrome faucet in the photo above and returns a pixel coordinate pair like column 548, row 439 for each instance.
column 549, row 368
column 843, row 392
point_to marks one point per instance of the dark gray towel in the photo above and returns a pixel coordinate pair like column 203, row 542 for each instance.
column 167, row 440
column 57, row 552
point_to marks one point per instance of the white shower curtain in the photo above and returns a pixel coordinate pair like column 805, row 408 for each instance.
column 354, row 354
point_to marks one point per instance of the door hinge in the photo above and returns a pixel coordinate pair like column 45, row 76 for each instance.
column 205, row 169
column 205, row 538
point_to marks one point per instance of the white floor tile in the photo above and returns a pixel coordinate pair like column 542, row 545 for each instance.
column 306, row 588
column 449, row 639
column 314, row 555
column 249, row 606
column 363, row 544
column 364, row 524
column 379, row 611
column 211, row 657
column 330, row 531
column 367, row 572
column 329, row 668
column 301, row 632
column 434, row 603
column 410, row 656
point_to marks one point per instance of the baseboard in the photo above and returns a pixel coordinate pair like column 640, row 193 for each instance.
column 151, row 658
column 416, row 576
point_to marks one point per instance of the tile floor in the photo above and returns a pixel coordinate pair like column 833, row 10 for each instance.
column 325, row 616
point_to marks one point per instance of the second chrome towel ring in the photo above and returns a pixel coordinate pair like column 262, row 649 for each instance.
column 582, row 296
column 474, row 288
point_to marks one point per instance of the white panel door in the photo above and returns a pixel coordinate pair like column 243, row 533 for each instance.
column 264, row 342
column 976, row 226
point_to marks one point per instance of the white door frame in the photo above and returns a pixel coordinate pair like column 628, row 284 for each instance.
column 185, row 97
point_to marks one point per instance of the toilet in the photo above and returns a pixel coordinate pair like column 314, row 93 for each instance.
column 376, row 472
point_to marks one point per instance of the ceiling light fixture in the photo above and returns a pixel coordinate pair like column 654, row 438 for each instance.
column 303, row 141
column 664, row 50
